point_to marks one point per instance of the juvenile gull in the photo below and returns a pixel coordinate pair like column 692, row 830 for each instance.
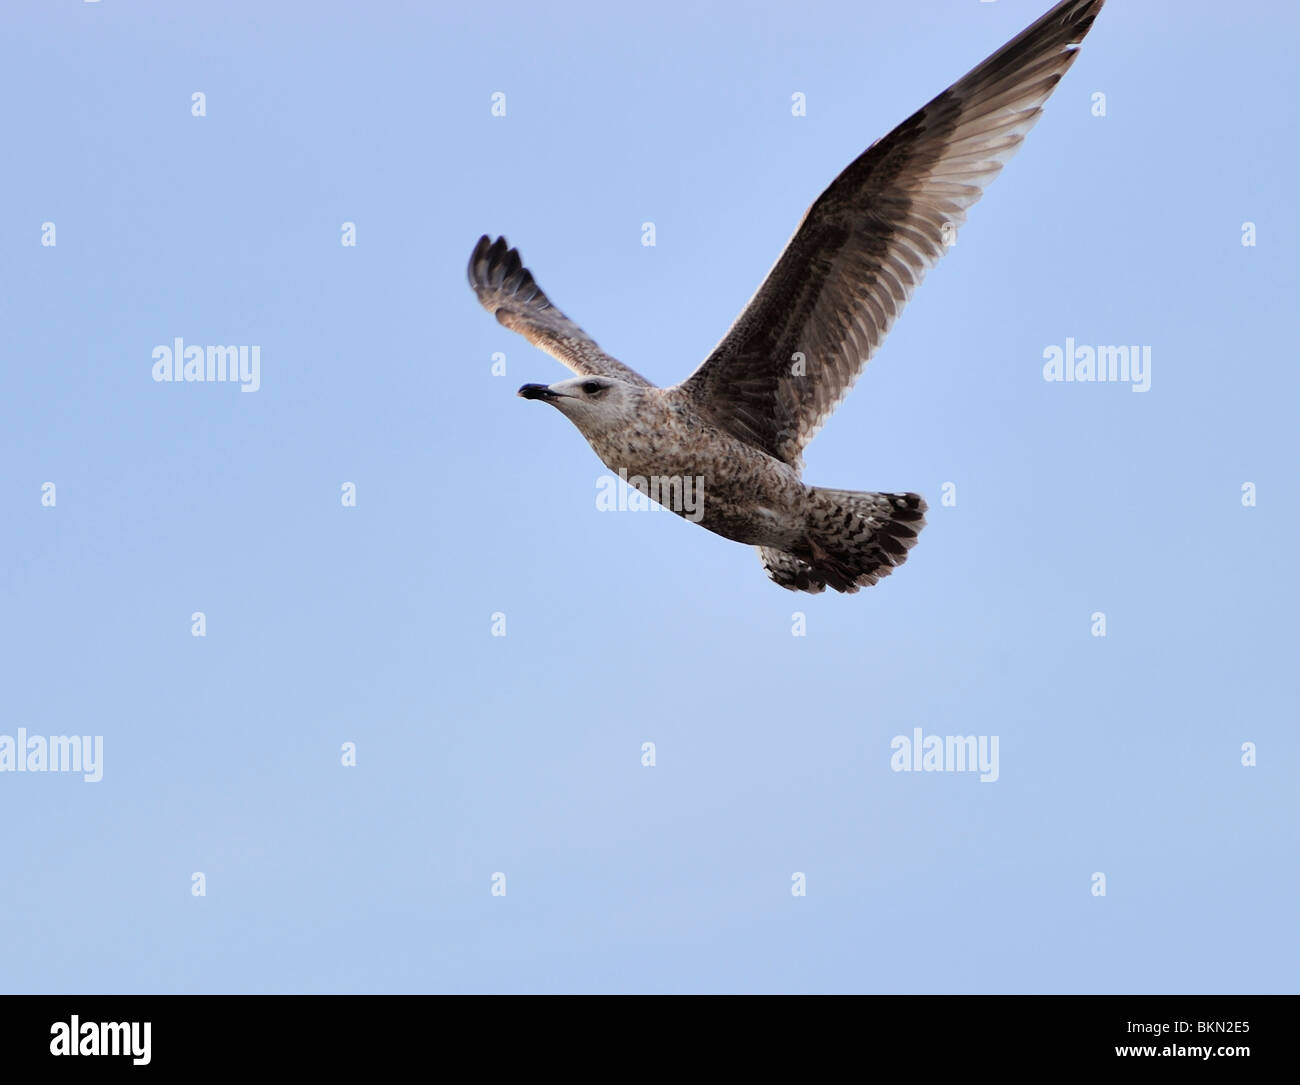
column 741, row 421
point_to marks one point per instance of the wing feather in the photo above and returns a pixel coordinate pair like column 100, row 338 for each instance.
column 867, row 242
column 508, row 290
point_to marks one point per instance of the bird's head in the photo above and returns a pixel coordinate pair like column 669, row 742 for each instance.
column 595, row 405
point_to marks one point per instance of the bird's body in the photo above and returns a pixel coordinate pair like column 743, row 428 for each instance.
column 748, row 496
column 738, row 425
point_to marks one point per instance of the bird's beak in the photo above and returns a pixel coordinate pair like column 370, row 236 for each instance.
column 538, row 391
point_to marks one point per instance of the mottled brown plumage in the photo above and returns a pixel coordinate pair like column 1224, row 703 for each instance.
column 742, row 420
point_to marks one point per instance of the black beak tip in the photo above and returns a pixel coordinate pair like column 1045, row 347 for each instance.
column 535, row 391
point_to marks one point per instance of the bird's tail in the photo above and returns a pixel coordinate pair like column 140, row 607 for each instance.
column 853, row 540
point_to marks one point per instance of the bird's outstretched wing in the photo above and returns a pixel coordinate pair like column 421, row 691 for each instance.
column 506, row 288
column 866, row 243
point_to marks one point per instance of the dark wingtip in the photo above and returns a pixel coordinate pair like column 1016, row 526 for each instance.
column 497, row 269
column 486, row 253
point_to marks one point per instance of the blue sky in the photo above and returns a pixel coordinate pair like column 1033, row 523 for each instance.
column 522, row 754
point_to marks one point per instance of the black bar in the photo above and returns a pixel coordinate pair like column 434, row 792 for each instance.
column 341, row 1033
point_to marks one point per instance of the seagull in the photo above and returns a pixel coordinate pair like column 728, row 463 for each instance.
column 738, row 425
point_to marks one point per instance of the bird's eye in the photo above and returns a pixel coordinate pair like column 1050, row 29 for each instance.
column 592, row 388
